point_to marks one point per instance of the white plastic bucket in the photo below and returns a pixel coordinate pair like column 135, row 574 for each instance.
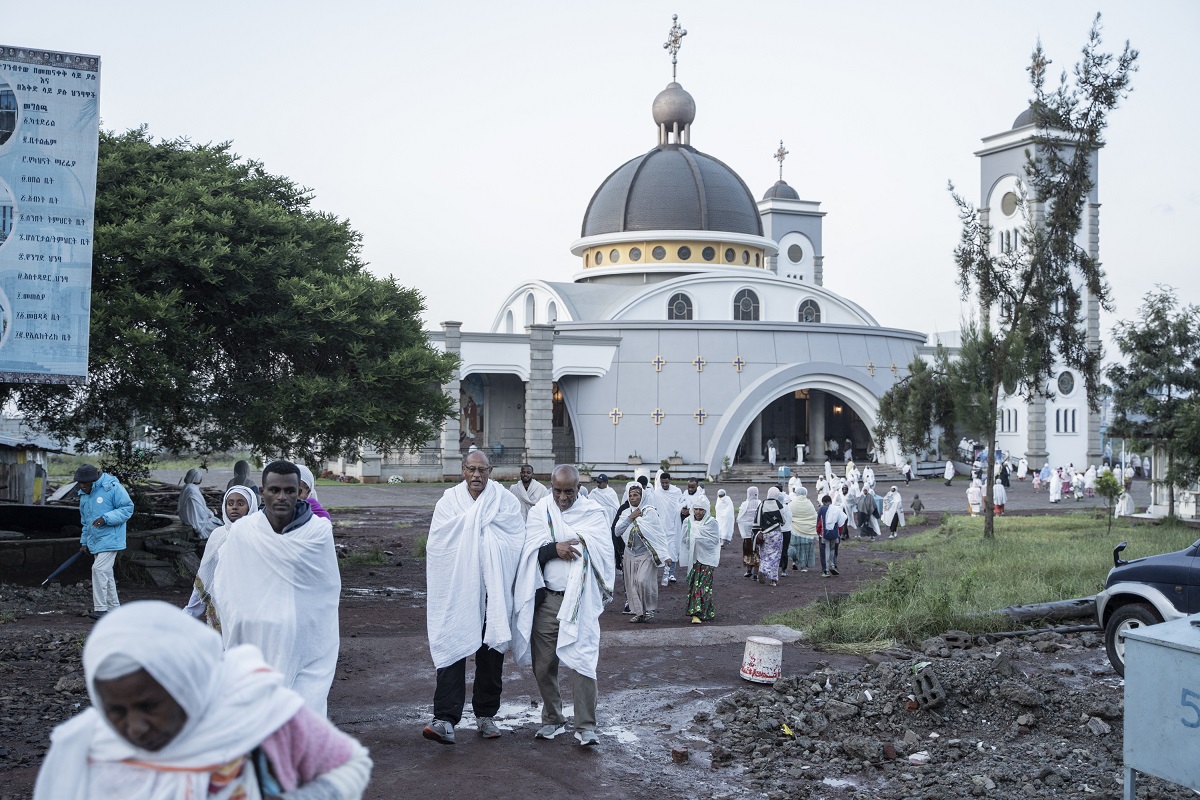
column 763, row 659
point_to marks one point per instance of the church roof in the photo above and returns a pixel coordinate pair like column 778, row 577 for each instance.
column 781, row 191
column 672, row 187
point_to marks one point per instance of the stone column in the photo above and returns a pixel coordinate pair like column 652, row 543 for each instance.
column 819, row 270
column 755, row 455
column 451, row 455
column 1035, row 446
column 539, row 399
column 816, row 425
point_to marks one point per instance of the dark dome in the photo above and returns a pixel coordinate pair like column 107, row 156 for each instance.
column 673, row 187
column 1023, row 119
column 781, row 191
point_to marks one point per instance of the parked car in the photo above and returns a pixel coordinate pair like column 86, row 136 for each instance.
column 1146, row 591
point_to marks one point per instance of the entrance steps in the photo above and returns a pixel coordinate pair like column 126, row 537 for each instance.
column 808, row 473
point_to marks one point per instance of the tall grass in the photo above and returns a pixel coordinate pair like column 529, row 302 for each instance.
column 956, row 576
column 63, row 465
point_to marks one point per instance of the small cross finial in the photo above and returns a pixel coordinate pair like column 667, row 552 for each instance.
column 780, row 155
column 674, row 42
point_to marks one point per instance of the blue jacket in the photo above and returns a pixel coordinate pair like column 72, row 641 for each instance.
column 109, row 501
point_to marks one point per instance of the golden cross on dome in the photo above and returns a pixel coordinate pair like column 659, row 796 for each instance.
column 674, row 42
column 780, row 155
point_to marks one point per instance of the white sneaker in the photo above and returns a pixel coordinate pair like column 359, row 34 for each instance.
column 549, row 731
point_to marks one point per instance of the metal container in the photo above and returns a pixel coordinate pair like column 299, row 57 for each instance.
column 1162, row 703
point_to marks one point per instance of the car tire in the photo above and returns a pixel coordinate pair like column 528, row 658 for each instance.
column 1126, row 618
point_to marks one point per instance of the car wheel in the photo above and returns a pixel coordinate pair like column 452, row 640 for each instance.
column 1124, row 619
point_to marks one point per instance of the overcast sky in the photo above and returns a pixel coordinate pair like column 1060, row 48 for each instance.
column 464, row 140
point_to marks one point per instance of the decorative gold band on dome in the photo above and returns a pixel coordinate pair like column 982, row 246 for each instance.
column 655, row 252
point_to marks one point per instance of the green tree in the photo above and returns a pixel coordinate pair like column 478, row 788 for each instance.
column 918, row 405
column 1155, row 392
column 226, row 311
column 1108, row 488
column 1032, row 297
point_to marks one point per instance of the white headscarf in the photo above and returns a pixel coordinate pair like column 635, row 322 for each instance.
column 208, row 564
column 748, row 512
column 233, row 701
column 306, row 477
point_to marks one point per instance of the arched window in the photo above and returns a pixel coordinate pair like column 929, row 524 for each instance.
column 809, row 311
column 679, row 306
column 551, row 312
column 529, row 319
column 508, row 321
column 745, row 306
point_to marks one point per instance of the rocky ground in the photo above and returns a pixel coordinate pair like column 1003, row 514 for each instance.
column 1037, row 716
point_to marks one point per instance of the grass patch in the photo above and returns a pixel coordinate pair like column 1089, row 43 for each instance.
column 419, row 547
column 915, row 520
column 402, row 525
column 373, row 557
column 64, row 464
column 956, row 576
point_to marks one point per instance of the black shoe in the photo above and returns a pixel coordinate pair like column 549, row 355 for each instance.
column 747, row 575
column 96, row 614
column 833, row 571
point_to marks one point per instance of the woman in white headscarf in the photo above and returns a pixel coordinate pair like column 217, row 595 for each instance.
column 1056, row 485
column 702, row 545
column 745, row 525
column 308, row 491
column 639, row 526
column 893, row 511
column 999, row 497
column 770, row 522
column 725, row 516
column 240, row 501
column 192, row 509
column 173, row 717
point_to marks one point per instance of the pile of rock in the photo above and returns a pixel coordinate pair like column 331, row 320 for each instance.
column 1036, row 717
column 41, row 685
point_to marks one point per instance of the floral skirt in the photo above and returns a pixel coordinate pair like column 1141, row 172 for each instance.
column 700, row 593
column 769, row 553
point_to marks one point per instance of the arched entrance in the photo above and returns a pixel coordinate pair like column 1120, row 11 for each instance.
column 807, row 402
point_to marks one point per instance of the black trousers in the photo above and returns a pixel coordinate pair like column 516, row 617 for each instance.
column 783, row 554
column 451, row 692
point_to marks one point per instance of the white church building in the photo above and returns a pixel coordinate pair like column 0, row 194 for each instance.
column 694, row 328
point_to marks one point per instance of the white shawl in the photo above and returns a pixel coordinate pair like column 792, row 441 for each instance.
column 724, row 515
column 893, row 506
column 280, row 592
column 201, row 604
column 471, row 558
column 194, row 512
column 589, row 583
column 607, row 497
column 233, row 700
column 701, row 540
column 648, row 526
column 748, row 513
column 528, row 497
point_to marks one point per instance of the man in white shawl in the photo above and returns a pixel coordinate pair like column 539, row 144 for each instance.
column 868, row 477
column 277, row 586
column 1056, row 485
column 893, row 511
column 948, row 473
column 668, row 500
column 794, row 486
column 471, row 557
column 606, row 496
column 725, row 516
column 192, row 509
column 528, row 490
column 1022, row 468
column 640, row 527
column 975, row 498
column 563, row 583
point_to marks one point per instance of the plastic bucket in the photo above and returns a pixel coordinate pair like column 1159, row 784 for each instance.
column 785, row 472
column 762, row 660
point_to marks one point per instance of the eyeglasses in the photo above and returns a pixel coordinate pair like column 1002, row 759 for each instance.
column 477, row 470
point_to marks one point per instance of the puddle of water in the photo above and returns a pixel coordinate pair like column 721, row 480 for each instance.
column 838, row 783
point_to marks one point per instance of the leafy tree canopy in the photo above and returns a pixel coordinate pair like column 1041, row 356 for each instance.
column 226, row 312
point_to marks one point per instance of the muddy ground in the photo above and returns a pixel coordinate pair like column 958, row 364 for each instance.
column 654, row 680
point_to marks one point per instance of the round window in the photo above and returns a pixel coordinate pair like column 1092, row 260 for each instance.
column 745, row 256
column 599, row 258
column 635, row 254
column 729, row 255
column 659, row 253
column 614, row 256
column 709, row 254
column 796, row 253
column 1008, row 204
column 1066, row 383
column 685, row 253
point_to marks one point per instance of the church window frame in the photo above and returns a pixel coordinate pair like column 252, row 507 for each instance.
column 684, row 252
column 551, row 312
column 614, row 256
column 808, row 305
column 746, row 306
column 659, row 252
column 680, row 307
column 508, row 321
column 530, row 309
column 635, row 254
column 730, row 255
column 708, row 254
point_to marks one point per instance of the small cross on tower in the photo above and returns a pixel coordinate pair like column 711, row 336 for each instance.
column 674, row 42
column 780, row 155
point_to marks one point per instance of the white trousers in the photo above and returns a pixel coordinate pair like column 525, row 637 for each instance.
column 104, row 585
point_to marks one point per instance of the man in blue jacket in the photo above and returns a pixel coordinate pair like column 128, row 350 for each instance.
column 104, row 508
